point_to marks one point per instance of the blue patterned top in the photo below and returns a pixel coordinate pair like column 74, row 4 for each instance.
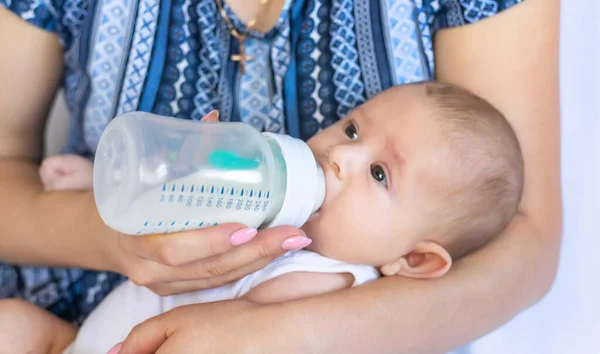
column 172, row 57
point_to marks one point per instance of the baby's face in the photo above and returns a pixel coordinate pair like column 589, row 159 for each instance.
column 384, row 166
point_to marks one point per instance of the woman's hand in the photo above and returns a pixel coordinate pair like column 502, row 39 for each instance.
column 193, row 260
column 219, row 327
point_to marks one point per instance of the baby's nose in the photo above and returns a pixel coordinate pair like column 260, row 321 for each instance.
column 342, row 160
column 336, row 169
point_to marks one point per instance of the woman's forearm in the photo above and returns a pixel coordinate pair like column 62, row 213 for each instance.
column 396, row 315
column 38, row 228
column 60, row 229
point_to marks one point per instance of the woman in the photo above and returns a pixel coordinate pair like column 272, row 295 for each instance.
column 322, row 58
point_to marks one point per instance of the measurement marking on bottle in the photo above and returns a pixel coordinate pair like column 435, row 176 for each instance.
column 219, row 198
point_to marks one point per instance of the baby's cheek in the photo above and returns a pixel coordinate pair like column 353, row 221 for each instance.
column 340, row 238
column 325, row 233
column 341, row 229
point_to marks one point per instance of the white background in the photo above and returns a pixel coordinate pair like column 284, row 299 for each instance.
column 567, row 321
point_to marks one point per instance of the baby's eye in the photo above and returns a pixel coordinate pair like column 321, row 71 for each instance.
column 351, row 131
column 378, row 174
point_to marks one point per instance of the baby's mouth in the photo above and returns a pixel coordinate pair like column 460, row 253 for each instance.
column 314, row 215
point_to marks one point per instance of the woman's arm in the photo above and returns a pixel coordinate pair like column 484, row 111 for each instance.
column 511, row 60
column 35, row 231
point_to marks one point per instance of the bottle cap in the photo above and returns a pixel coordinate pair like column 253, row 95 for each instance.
column 305, row 182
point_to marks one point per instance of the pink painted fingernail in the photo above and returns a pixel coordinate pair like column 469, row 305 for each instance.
column 242, row 236
column 212, row 116
column 296, row 243
column 116, row 349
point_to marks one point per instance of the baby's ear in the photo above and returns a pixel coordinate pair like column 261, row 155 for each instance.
column 428, row 260
column 211, row 117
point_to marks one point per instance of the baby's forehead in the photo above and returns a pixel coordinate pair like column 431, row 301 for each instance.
column 403, row 108
column 399, row 94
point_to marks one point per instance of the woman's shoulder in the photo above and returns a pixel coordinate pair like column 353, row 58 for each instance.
column 454, row 13
column 63, row 17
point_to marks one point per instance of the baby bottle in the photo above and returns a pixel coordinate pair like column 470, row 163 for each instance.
column 154, row 174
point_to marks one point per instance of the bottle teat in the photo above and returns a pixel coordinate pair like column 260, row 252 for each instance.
column 305, row 187
column 320, row 190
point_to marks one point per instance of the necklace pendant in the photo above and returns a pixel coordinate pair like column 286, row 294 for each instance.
column 242, row 57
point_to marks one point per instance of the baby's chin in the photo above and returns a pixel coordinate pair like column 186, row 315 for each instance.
column 312, row 228
column 321, row 231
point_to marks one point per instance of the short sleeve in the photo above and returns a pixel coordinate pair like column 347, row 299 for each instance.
column 455, row 13
column 63, row 17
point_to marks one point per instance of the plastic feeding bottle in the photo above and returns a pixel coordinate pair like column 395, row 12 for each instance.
column 154, row 174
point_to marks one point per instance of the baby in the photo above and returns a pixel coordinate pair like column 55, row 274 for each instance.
column 417, row 177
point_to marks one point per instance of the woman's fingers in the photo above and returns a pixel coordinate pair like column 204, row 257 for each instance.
column 115, row 350
column 181, row 248
column 265, row 247
column 180, row 287
column 146, row 337
column 191, row 329
column 193, row 284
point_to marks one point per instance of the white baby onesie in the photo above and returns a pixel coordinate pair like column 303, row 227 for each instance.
column 129, row 304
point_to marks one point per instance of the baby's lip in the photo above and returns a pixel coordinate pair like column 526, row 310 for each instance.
column 314, row 215
column 326, row 169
